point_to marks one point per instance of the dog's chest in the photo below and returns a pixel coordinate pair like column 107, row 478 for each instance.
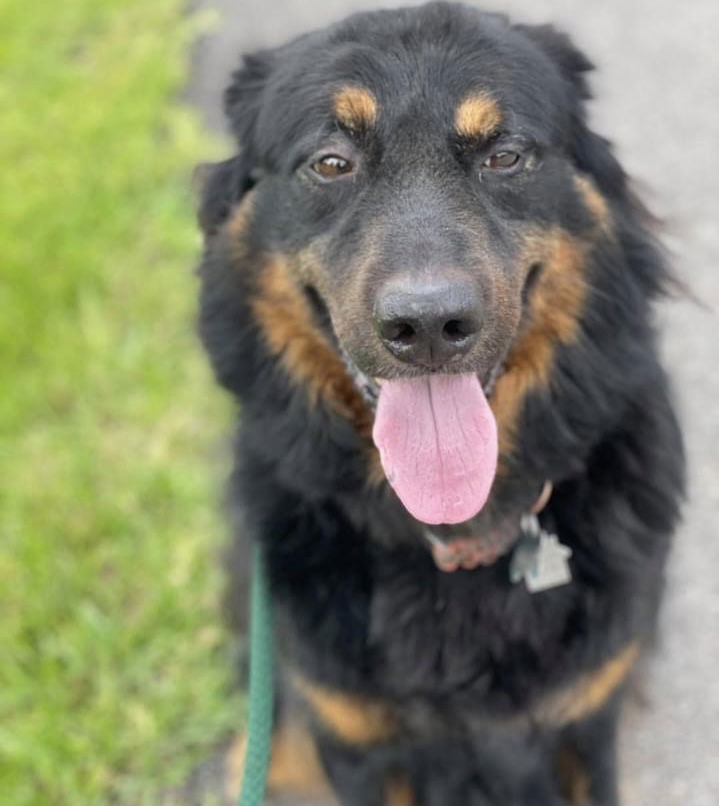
column 469, row 633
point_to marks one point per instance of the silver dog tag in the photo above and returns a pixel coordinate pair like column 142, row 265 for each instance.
column 539, row 558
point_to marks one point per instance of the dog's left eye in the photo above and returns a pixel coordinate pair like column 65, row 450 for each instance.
column 502, row 160
column 331, row 166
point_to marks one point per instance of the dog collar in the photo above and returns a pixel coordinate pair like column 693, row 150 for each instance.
column 538, row 557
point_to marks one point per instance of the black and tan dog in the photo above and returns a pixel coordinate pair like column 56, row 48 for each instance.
column 429, row 286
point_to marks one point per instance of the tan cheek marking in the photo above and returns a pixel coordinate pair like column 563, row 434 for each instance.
column 239, row 219
column 478, row 116
column 353, row 720
column 398, row 792
column 588, row 694
column 286, row 322
column 594, row 201
column 295, row 767
column 556, row 304
column 355, row 107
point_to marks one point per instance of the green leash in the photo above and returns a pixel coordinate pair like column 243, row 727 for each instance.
column 259, row 722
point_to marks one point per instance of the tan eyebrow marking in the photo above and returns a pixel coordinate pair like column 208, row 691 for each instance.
column 477, row 116
column 355, row 107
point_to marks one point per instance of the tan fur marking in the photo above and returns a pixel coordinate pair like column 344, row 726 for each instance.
column 355, row 107
column 295, row 767
column 398, row 792
column 477, row 116
column 239, row 219
column 573, row 779
column 354, row 720
column 234, row 764
column 586, row 696
column 595, row 202
column 555, row 306
column 286, row 321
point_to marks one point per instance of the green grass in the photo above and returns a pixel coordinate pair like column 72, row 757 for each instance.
column 113, row 668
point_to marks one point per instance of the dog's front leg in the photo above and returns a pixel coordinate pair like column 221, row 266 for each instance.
column 587, row 760
column 360, row 776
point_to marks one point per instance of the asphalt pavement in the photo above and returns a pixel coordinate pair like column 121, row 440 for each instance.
column 657, row 99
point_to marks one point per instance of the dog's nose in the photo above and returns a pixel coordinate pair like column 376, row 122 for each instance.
column 428, row 324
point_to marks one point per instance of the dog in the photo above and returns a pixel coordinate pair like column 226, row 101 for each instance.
column 430, row 286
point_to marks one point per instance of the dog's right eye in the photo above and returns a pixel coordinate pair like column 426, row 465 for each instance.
column 332, row 166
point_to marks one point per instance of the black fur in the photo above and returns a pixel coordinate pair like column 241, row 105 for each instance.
column 464, row 658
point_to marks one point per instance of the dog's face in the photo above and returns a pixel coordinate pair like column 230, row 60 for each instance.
column 420, row 174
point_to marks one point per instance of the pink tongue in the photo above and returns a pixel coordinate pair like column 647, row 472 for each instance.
column 437, row 439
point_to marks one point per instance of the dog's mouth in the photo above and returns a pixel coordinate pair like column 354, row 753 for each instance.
column 370, row 387
column 437, row 440
column 436, row 436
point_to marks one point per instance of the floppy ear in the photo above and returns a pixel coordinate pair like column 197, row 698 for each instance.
column 572, row 63
column 243, row 98
column 592, row 153
column 220, row 186
column 223, row 184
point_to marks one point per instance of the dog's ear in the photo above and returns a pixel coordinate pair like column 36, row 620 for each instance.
column 223, row 184
column 572, row 63
column 592, row 153
column 243, row 98
column 219, row 186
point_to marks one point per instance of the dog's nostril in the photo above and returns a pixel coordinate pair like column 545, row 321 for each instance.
column 428, row 323
column 457, row 330
column 399, row 333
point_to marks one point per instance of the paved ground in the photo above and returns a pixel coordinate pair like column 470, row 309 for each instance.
column 657, row 90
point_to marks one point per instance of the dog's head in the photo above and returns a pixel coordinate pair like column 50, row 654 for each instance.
column 424, row 180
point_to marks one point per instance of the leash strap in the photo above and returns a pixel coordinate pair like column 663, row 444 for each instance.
column 259, row 722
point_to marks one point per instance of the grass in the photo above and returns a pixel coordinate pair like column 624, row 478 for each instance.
column 113, row 667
